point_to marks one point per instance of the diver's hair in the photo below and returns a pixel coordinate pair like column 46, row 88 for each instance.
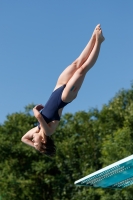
column 48, row 148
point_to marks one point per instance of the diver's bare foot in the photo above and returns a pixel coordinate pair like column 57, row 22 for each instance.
column 95, row 30
column 99, row 34
column 94, row 34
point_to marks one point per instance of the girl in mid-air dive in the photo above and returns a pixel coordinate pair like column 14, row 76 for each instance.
column 65, row 91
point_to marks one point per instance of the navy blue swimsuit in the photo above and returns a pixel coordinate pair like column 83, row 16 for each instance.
column 50, row 110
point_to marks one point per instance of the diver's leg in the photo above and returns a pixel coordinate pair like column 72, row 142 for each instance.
column 74, row 84
column 71, row 69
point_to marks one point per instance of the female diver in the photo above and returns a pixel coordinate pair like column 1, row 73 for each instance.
column 65, row 91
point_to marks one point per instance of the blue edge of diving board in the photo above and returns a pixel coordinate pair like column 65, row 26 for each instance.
column 116, row 176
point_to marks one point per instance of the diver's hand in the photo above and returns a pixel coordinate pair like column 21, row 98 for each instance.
column 36, row 113
column 39, row 107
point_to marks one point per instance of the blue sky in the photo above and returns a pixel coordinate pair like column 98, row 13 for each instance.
column 38, row 39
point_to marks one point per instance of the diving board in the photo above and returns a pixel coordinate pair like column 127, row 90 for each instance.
column 116, row 176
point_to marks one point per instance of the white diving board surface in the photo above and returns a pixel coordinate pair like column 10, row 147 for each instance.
column 116, row 176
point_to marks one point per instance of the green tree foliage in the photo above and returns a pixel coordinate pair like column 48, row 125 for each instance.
column 85, row 141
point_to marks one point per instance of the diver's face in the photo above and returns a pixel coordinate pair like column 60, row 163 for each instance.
column 37, row 139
